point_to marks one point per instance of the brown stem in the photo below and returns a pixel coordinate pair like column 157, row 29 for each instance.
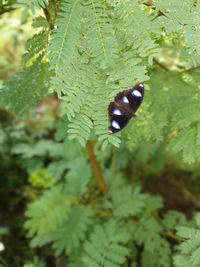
column 173, row 236
column 150, row 4
column 48, row 16
column 161, row 65
column 187, row 70
column 171, row 74
column 96, row 167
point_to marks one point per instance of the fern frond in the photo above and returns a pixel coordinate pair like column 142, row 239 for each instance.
column 41, row 148
column 175, row 14
column 189, row 249
column 31, row 4
column 99, row 67
column 46, row 215
column 182, row 261
column 106, row 247
column 147, row 227
column 147, row 233
column 64, row 40
column 79, row 176
column 173, row 219
column 137, row 22
column 37, row 45
column 77, row 89
column 181, row 16
column 73, row 230
column 137, row 30
column 100, row 34
column 158, row 254
column 75, row 259
column 25, row 89
column 126, row 201
column 192, row 115
column 81, row 125
column 192, row 30
column 179, row 119
column 127, row 72
column 187, row 142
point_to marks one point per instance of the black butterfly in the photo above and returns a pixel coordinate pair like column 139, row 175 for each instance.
column 124, row 107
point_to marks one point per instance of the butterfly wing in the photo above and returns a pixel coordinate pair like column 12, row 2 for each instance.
column 118, row 116
column 124, row 107
column 135, row 96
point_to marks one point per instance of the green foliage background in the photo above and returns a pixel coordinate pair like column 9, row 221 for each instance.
column 78, row 55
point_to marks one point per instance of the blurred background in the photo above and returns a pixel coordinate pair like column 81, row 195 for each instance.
column 38, row 162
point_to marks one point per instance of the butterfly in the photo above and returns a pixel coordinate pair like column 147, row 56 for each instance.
column 124, row 107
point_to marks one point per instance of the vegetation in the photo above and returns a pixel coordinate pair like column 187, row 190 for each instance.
column 71, row 193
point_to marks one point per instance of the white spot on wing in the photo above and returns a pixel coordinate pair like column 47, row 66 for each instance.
column 125, row 99
column 115, row 125
column 117, row 111
column 141, row 85
column 136, row 93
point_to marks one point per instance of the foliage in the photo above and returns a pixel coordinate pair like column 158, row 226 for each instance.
column 69, row 216
column 23, row 86
column 189, row 249
column 83, row 53
column 41, row 178
column 98, row 45
column 105, row 246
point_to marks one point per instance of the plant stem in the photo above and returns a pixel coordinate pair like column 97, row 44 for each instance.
column 171, row 74
column 48, row 17
column 173, row 236
column 96, row 168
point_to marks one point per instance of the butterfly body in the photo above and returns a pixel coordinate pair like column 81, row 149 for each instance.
column 124, row 107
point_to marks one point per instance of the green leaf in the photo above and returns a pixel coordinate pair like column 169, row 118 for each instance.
column 126, row 201
column 73, row 231
column 157, row 255
column 46, row 216
column 189, row 249
column 106, row 246
column 63, row 44
column 25, row 89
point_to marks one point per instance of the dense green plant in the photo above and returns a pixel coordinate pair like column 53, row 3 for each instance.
column 69, row 214
column 84, row 52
